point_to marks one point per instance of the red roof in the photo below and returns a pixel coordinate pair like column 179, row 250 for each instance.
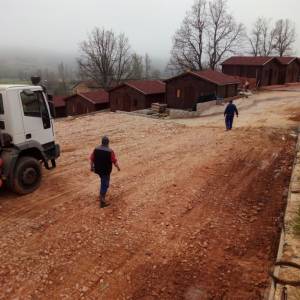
column 59, row 101
column 215, row 77
column 286, row 60
column 212, row 76
column 96, row 97
column 248, row 60
column 146, row 87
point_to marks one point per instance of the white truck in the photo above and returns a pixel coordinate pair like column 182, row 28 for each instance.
column 27, row 137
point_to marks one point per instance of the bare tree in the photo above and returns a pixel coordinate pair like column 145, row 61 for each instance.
column 256, row 37
column 188, row 42
column 284, row 37
column 147, row 63
column 156, row 74
column 207, row 35
column 225, row 36
column 137, row 69
column 268, row 35
column 62, row 76
column 261, row 38
column 105, row 57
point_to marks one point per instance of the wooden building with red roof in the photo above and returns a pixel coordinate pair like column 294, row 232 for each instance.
column 136, row 95
column 84, row 103
column 264, row 69
column 59, row 106
column 290, row 69
column 186, row 90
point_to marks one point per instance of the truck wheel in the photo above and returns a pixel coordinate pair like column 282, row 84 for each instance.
column 27, row 176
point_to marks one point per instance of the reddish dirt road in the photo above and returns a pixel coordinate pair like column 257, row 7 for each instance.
column 195, row 214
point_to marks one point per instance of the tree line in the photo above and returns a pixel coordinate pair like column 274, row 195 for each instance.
column 209, row 33
column 107, row 58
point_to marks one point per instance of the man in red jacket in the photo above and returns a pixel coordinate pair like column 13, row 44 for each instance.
column 102, row 160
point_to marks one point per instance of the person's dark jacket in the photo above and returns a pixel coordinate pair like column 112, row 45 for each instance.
column 103, row 158
column 231, row 110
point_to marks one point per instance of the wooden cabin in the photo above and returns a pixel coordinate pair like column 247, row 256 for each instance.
column 290, row 70
column 186, row 90
column 265, row 70
column 84, row 103
column 136, row 95
column 59, row 106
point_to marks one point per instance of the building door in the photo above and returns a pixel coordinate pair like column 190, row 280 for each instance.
column 261, row 76
column 126, row 103
column 190, row 100
column 295, row 75
column 271, row 77
column 282, row 77
column 227, row 91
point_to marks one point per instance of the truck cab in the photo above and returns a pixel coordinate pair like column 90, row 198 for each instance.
column 27, row 138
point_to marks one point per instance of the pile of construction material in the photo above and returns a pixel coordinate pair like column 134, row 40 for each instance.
column 159, row 108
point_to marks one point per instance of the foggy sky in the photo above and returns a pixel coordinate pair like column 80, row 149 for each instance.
column 59, row 25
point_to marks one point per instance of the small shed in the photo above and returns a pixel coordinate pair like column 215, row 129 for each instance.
column 136, row 95
column 84, row 103
column 59, row 106
column 186, row 90
column 290, row 69
column 264, row 69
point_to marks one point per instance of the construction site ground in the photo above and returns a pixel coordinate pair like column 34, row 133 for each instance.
column 195, row 212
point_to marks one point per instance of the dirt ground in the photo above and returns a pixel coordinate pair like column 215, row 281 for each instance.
column 195, row 211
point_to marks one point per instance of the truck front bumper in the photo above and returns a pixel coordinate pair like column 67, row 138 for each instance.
column 51, row 151
column 57, row 151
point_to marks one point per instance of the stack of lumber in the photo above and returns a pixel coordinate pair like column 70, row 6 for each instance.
column 158, row 107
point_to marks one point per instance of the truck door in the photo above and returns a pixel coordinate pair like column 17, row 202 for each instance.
column 36, row 117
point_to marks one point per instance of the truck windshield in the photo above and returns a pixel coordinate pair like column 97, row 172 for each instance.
column 33, row 104
column 1, row 105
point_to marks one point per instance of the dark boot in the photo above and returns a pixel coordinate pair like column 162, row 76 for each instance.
column 102, row 202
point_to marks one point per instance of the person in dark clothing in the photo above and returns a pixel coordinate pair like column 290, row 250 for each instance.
column 102, row 160
column 229, row 114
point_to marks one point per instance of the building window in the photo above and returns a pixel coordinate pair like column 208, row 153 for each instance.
column 135, row 102
column 178, row 93
column 1, row 105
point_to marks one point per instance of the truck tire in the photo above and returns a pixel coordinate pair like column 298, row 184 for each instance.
column 27, row 175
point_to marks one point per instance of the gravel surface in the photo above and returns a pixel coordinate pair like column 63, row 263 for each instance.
column 195, row 211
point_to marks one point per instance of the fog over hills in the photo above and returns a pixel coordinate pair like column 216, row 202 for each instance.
column 41, row 34
column 16, row 63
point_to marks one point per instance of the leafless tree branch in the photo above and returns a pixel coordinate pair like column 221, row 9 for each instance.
column 284, row 37
column 105, row 57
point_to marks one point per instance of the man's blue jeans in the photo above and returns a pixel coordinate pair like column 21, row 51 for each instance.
column 229, row 121
column 104, row 184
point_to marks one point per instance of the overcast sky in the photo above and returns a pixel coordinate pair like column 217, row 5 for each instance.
column 59, row 25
